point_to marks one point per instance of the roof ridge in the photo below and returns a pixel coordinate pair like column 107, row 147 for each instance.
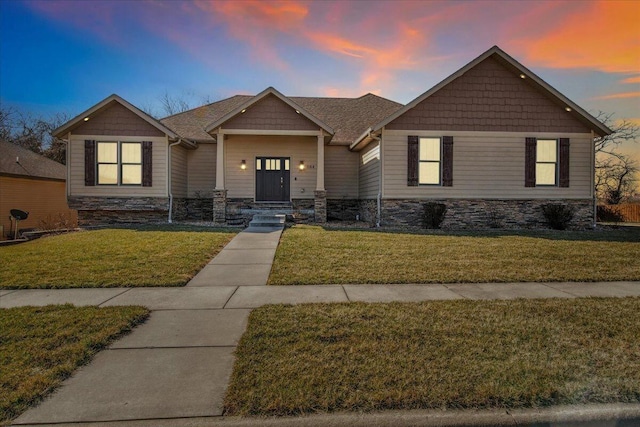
column 204, row 105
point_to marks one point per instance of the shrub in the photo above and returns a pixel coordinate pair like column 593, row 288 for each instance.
column 608, row 214
column 433, row 215
column 558, row 216
column 58, row 221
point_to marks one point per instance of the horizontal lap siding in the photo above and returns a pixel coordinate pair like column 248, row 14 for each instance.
column 369, row 171
column 241, row 183
column 76, row 169
column 340, row 172
column 179, row 171
column 486, row 165
column 41, row 198
column 201, row 166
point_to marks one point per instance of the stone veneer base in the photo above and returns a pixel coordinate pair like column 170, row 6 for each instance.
column 484, row 213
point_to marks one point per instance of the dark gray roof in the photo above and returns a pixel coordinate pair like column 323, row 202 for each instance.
column 349, row 117
column 29, row 164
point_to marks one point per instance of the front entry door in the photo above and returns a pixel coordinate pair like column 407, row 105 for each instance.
column 272, row 179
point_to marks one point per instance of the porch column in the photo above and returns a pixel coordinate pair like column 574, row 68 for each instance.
column 220, row 194
column 220, row 162
column 320, row 195
column 320, row 162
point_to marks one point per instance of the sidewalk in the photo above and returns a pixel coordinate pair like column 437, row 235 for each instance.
column 173, row 370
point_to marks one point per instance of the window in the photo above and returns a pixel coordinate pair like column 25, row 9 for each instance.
column 119, row 163
column 546, row 162
column 429, row 161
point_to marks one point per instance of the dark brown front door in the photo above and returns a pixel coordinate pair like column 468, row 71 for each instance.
column 272, row 179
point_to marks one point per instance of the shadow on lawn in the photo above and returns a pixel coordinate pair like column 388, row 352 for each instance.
column 600, row 234
column 170, row 228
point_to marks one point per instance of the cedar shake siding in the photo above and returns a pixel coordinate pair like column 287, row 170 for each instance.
column 115, row 120
column 489, row 97
column 485, row 165
column 270, row 113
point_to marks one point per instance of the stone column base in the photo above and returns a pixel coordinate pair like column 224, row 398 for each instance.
column 220, row 206
column 320, row 206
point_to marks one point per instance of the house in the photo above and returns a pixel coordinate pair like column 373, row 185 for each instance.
column 492, row 142
column 31, row 183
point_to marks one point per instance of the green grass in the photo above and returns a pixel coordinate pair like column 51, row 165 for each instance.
column 150, row 256
column 443, row 354
column 41, row 346
column 313, row 255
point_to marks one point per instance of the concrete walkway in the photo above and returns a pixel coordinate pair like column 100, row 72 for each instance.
column 174, row 369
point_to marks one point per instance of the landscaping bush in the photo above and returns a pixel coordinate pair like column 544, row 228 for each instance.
column 558, row 216
column 608, row 214
column 433, row 215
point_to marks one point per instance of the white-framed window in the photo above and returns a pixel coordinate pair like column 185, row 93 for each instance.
column 547, row 162
column 119, row 163
column 430, row 161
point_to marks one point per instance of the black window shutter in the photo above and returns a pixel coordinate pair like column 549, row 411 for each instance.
column 147, row 165
column 412, row 161
column 447, row 161
column 89, row 163
column 530, row 163
column 564, row 162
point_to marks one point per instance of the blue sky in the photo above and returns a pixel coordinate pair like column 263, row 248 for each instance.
column 64, row 56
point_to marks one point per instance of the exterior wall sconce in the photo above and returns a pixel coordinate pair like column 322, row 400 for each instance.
column 301, row 166
column 243, row 165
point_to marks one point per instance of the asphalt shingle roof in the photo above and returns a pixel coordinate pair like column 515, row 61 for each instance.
column 349, row 117
column 29, row 163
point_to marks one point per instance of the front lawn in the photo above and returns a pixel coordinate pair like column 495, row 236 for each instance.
column 41, row 346
column 313, row 255
column 442, row 354
column 146, row 256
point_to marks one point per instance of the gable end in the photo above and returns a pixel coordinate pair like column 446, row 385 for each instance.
column 489, row 97
column 116, row 119
column 270, row 113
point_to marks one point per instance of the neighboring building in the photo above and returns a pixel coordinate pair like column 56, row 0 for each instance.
column 31, row 183
column 493, row 142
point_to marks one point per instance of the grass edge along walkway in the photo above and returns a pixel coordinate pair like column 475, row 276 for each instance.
column 311, row 358
column 42, row 346
column 112, row 257
column 311, row 255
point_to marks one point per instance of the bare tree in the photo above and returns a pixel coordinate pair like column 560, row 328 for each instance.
column 615, row 172
column 33, row 133
column 173, row 104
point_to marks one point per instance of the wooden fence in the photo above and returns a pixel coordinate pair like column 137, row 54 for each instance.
column 629, row 212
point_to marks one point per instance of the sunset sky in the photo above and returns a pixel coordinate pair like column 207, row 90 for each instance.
column 64, row 56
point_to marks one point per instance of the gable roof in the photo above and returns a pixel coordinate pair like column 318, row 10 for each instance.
column 80, row 118
column 347, row 117
column 517, row 68
column 269, row 91
column 19, row 161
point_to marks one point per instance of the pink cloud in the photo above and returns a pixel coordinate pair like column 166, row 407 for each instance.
column 620, row 95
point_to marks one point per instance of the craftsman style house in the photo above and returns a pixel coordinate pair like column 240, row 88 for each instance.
column 493, row 142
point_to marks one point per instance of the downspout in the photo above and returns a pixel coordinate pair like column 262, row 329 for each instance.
column 169, row 180
column 379, row 198
column 593, row 180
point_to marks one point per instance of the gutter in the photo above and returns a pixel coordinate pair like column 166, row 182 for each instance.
column 169, row 220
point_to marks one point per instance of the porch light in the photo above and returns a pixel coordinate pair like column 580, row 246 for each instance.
column 243, row 165
column 301, row 167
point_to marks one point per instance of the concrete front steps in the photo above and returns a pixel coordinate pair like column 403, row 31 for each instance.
column 268, row 220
